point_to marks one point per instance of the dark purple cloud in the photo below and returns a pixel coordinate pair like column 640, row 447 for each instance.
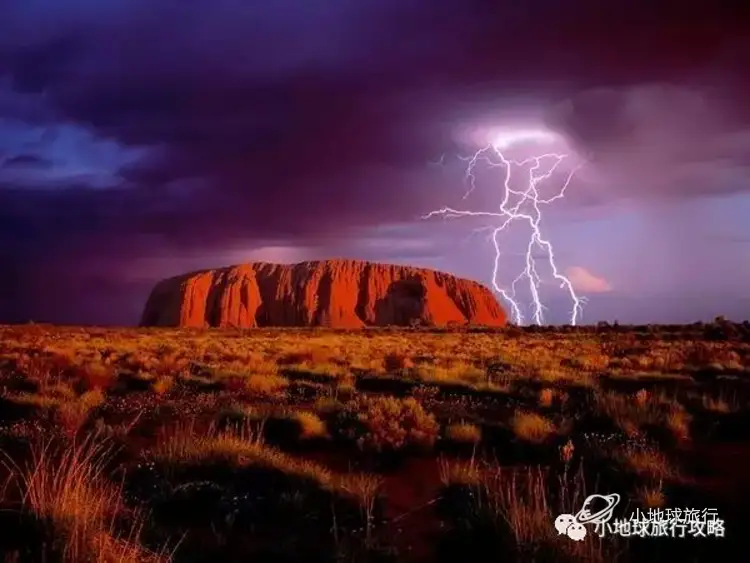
column 26, row 161
column 302, row 121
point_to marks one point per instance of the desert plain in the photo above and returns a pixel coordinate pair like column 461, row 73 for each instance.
column 378, row 444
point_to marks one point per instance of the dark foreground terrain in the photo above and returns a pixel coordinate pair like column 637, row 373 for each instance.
column 374, row 445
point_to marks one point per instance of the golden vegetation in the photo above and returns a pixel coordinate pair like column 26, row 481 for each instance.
column 516, row 507
column 464, row 433
column 390, row 423
column 68, row 492
column 532, row 427
column 269, row 444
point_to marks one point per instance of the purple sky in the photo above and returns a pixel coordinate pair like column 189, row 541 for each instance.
column 144, row 138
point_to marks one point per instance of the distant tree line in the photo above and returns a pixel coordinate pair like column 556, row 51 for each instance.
column 720, row 329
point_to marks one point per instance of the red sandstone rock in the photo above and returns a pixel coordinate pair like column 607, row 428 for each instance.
column 334, row 293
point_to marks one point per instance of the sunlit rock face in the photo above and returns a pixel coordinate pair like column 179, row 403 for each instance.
column 332, row 293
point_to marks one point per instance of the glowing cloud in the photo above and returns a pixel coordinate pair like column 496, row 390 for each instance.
column 583, row 280
column 505, row 138
column 275, row 254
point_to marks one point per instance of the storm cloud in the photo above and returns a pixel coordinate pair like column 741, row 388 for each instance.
column 162, row 131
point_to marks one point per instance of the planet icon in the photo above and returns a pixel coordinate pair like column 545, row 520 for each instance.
column 597, row 509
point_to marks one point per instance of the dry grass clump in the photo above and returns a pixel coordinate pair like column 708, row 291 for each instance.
column 345, row 388
column 328, row 405
column 630, row 414
column 463, row 433
column 83, row 514
column 677, row 420
column 532, row 427
column 35, row 400
column 163, row 384
column 242, row 415
column 546, row 397
column 311, row 425
column 253, row 421
column 453, row 373
column 185, row 446
column 266, row 384
column 719, row 403
column 300, row 354
column 633, row 414
column 651, row 496
column 389, row 423
column 96, row 375
column 74, row 414
column 645, row 461
column 69, row 411
column 512, row 511
column 395, row 362
column 60, row 391
column 460, row 472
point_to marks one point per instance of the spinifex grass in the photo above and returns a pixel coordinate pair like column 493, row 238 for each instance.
column 84, row 516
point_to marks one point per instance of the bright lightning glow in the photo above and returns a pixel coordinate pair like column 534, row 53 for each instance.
column 505, row 138
column 540, row 168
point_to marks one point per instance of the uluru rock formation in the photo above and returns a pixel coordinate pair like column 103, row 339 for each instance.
column 332, row 293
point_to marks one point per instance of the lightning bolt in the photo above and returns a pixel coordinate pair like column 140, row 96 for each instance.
column 539, row 168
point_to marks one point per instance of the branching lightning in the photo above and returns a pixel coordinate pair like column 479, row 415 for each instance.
column 539, row 169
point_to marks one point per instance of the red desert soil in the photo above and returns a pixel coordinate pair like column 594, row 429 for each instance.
column 719, row 480
column 411, row 491
column 721, row 470
column 332, row 293
column 411, row 495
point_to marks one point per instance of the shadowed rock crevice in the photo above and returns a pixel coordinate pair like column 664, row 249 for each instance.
column 217, row 300
column 362, row 298
column 332, row 293
column 323, row 298
column 266, row 281
column 403, row 304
